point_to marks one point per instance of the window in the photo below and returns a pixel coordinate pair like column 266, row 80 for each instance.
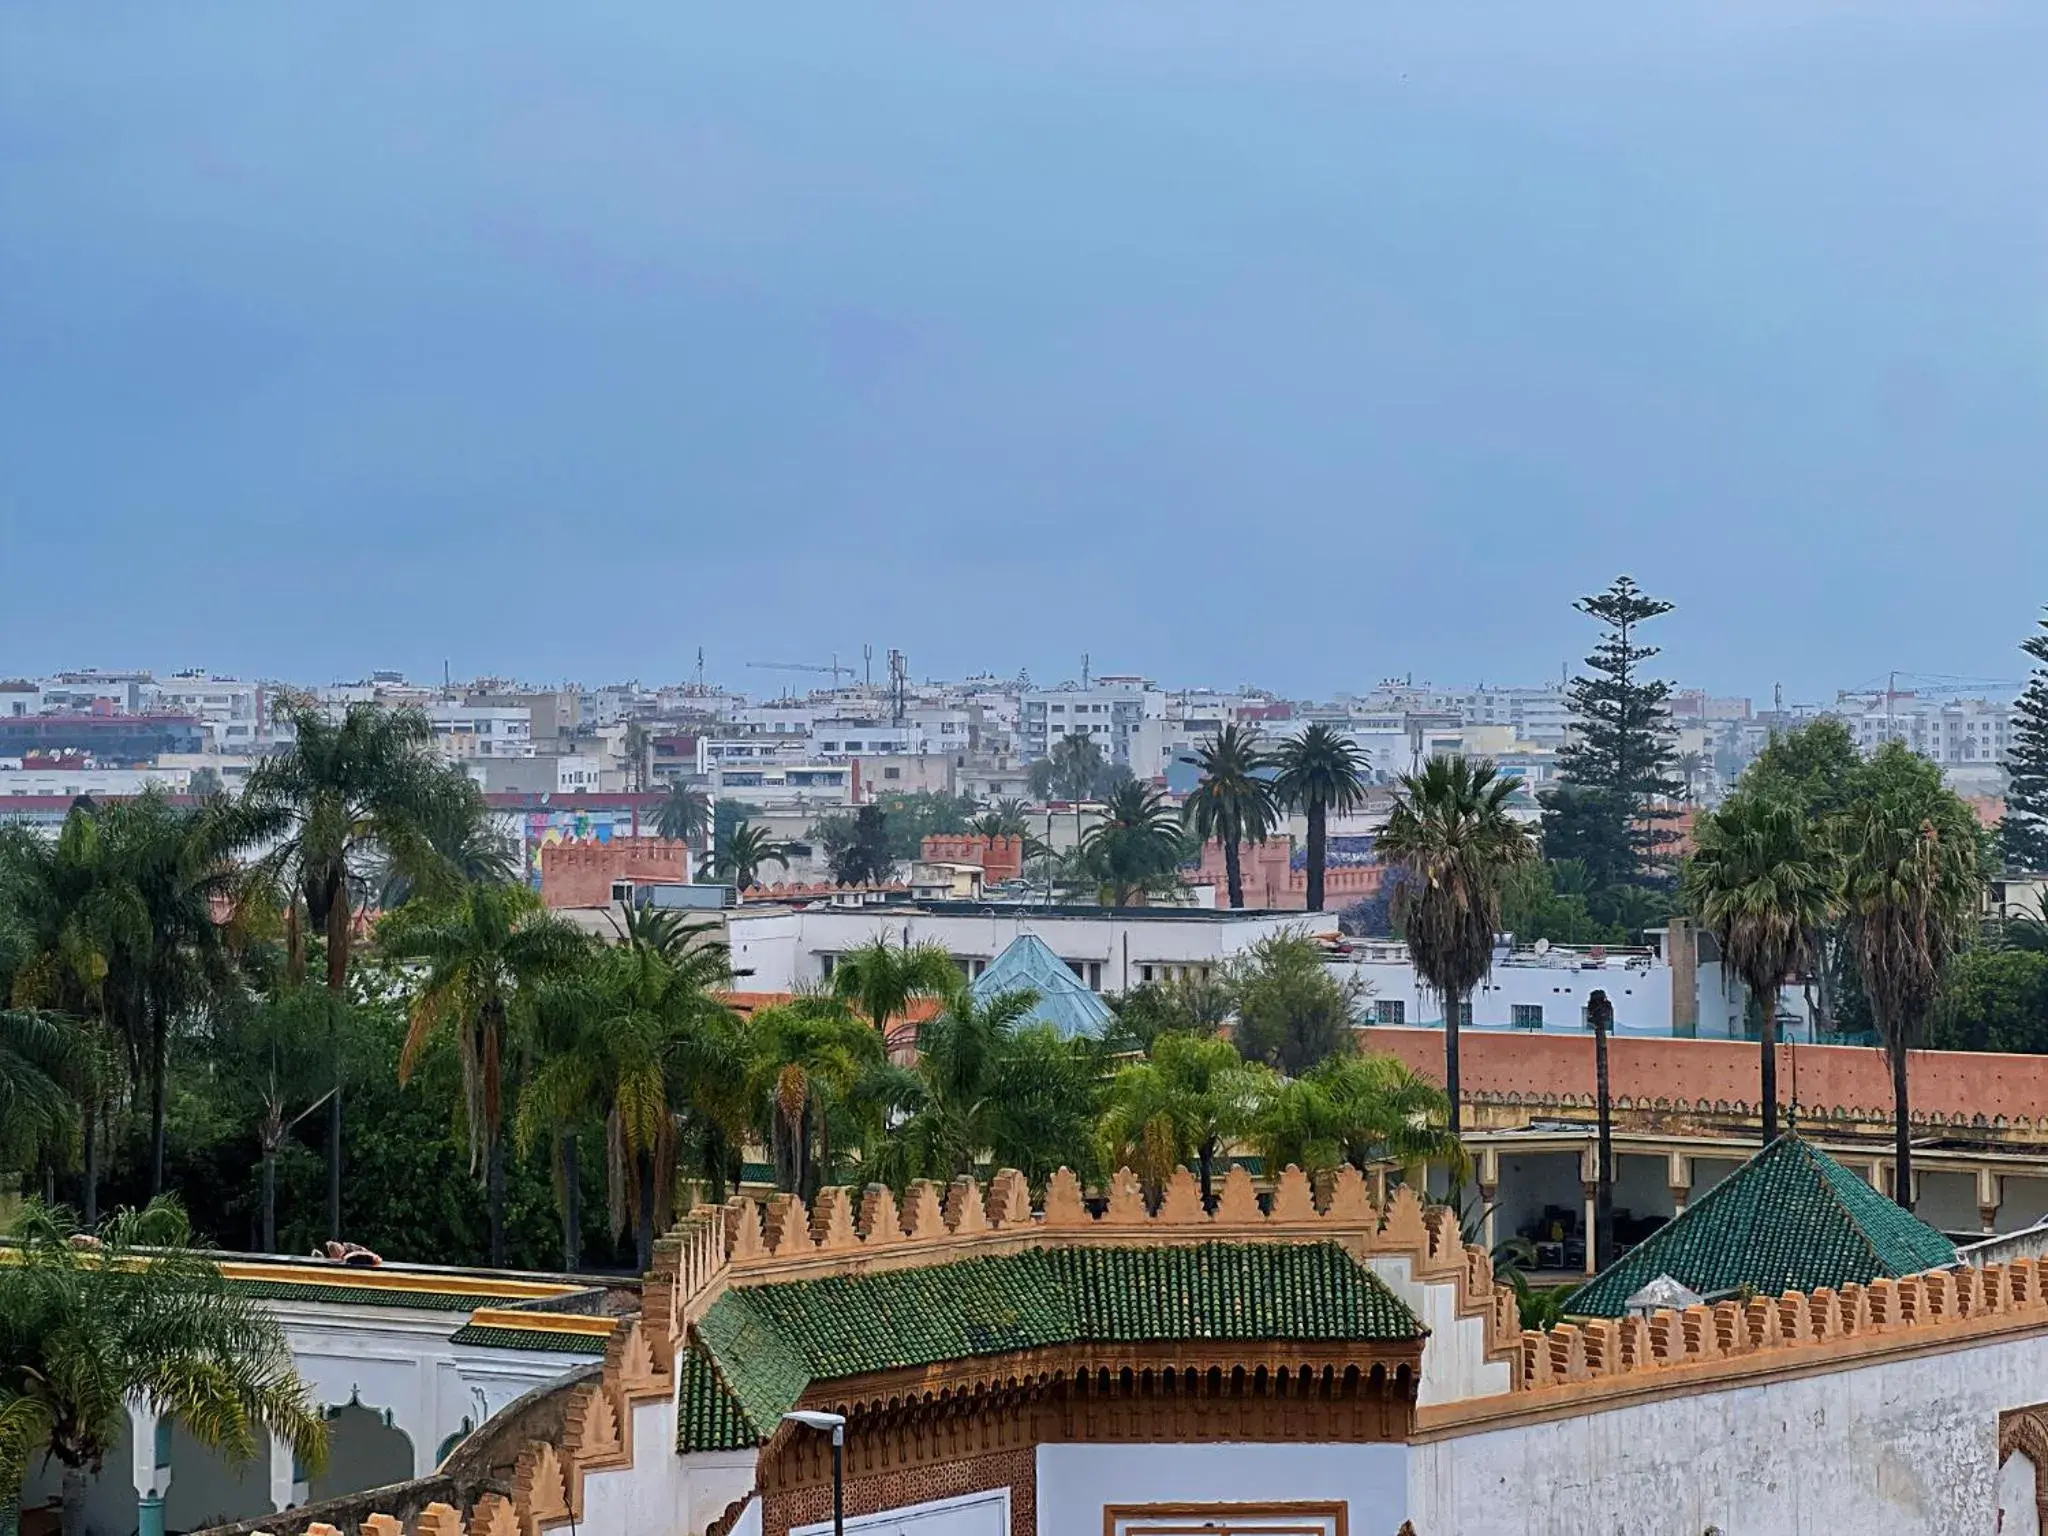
column 1145, row 971
column 1390, row 1010
column 892, row 773
column 1526, row 1015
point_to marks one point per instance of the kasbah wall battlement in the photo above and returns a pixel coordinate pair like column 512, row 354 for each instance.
column 1566, row 1369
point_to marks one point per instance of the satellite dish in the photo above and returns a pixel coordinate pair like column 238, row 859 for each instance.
column 1543, row 946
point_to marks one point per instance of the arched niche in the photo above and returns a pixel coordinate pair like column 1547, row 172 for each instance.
column 364, row 1450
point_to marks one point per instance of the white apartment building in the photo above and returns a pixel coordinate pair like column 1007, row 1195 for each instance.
column 481, row 730
column 17, row 782
column 1107, row 712
column 787, row 948
column 1955, row 733
column 808, row 786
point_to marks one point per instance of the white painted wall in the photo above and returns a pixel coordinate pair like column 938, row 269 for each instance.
column 662, row 1492
column 1454, row 1363
column 1904, row 1447
column 971, row 1514
column 2018, row 1514
column 1077, row 1482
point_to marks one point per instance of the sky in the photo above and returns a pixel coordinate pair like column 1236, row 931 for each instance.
column 1305, row 344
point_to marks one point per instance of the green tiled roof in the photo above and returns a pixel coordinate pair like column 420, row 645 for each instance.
column 708, row 1418
column 367, row 1295
column 545, row 1340
column 767, row 1343
column 1789, row 1219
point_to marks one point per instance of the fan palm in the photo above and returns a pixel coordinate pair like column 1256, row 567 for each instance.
column 1186, row 1102
column 1454, row 840
column 346, row 795
column 1234, row 803
column 1320, row 772
column 880, row 980
column 1136, row 848
column 144, row 1315
column 479, row 953
column 740, row 858
column 1910, row 880
column 1760, row 881
column 684, row 814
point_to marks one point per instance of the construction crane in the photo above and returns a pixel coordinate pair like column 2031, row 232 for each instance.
column 835, row 669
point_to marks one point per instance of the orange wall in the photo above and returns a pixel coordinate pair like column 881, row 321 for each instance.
column 1270, row 883
column 580, row 874
column 1823, row 1077
column 1000, row 858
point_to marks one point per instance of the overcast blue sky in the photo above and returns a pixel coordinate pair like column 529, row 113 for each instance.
column 1304, row 343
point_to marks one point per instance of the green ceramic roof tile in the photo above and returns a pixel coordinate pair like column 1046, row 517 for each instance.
column 708, row 1417
column 767, row 1343
column 546, row 1341
column 368, row 1295
column 1789, row 1219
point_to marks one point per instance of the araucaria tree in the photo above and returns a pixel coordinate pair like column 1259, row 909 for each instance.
column 1762, row 883
column 1235, row 802
column 1320, row 772
column 1454, row 838
column 1911, row 881
column 1620, row 762
column 2024, row 832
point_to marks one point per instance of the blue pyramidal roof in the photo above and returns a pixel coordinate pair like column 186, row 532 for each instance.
column 1063, row 1001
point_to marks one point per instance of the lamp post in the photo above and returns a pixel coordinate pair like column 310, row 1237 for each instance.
column 835, row 1422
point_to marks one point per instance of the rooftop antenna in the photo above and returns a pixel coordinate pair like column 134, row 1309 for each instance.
column 1084, row 670
column 700, row 669
column 867, row 659
column 899, row 683
column 447, row 682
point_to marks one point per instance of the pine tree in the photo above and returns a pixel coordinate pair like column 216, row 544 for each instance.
column 2025, row 829
column 1621, row 760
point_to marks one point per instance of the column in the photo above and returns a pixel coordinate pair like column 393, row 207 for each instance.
column 1678, row 1178
column 1592, row 1196
column 1990, row 1196
column 1487, row 1169
column 287, row 1478
column 150, row 1439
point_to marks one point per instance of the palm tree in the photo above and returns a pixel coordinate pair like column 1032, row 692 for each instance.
column 1320, row 772
column 480, row 953
column 1357, row 1109
column 41, row 1057
column 143, row 1314
column 1076, row 765
column 1006, row 818
column 346, row 795
column 1691, row 768
column 738, row 861
column 1454, row 840
column 1760, row 882
column 458, row 827
column 1136, row 848
column 1600, row 1016
column 810, row 1062
column 1235, row 803
column 1190, row 1097
column 1911, row 879
column 881, row 979
column 684, row 814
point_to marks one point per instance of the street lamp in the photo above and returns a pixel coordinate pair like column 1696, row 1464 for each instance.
column 836, row 1422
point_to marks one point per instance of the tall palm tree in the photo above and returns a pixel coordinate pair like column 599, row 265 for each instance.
column 347, row 795
column 1760, row 881
column 1320, row 772
column 143, row 1315
column 1600, row 1016
column 1454, row 839
column 684, row 814
column 1357, row 1109
column 739, row 860
column 1136, row 848
column 459, row 829
column 480, row 953
column 1911, row 880
column 880, row 980
column 41, row 1057
column 1187, row 1101
column 1006, row 818
column 809, row 1062
column 1235, row 802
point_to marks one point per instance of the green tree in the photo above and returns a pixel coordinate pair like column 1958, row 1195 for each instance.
column 741, row 856
column 1912, row 878
column 1187, row 1004
column 1320, row 772
column 1816, row 767
column 1453, row 838
column 990, row 1085
column 1077, row 764
column 726, row 814
column 1359, row 1109
column 1291, row 1012
column 2024, row 832
column 1136, row 849
column 143, row 1314
column 1186, row 1102
column 1763, row 884
column 1006, row 818
column 858, row 847
column 463, row 841
column 479, row 953
column 349, row 797
column 40, row 1061
column 919, row 814
column 1235, row 802
column 1619, row 761
column 812, row 1064
column 684, row 814
column 880, row 980
column 1993, row 1000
